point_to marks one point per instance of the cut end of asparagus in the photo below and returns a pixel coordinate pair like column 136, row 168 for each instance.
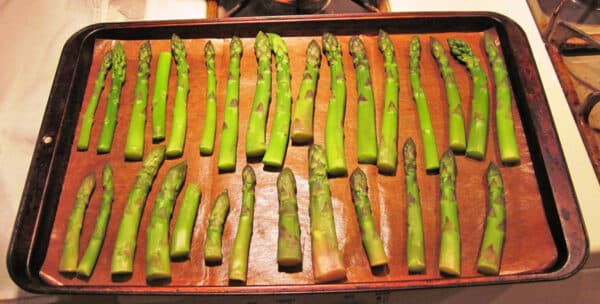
column 235, row 47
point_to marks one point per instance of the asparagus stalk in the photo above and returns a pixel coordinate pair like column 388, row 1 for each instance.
column 370, row 238
column 456, row 120
column 327, row 261
column 184, row 225
column 110, row 117
column 124, row 250
column 477, row 140
column 505, row 125
column 70, row 253
column 158, row 263
column 238, row 265
column 449, row 260
column 415, row 245
column 302, row 121
column 334, row 126
column 490, row 253
column 255, row 135
column 229, row 135
column 210, row 120
column 179, row 123
column 214, row 232
column 366, row 139
column 134, row 144
column 88, row 261
column 289, row 249
column 159, row 98
column 388, row 151
column 88, row 117
column 429, row 146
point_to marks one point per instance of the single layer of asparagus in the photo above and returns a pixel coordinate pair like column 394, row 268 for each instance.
column 289, row 249
column 181, row 236
column 207, row 143
column 449, row 260
column 477, row 140
column 88, row 116
column 112, row 103
column 505, row 125
column 125, row 244
column 159, row 97
column 415, row 244
column 214, row 231
column 179, row 122
column 229, row 134
column 70, row 253
column 88, row 261
column 429, row 146
column 492, row 244
column 238, row 264
column 302, row 120
column 387, row 157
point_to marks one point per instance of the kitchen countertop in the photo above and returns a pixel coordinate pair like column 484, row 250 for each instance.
column 35, row 31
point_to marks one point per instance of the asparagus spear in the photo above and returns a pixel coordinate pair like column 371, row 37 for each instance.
column 505, row 125
column 212, row 245
column 179, row 122
column 477, row 140
column 449, row 260
column 134, row 144
column 184, row 225
column 158, row 263
column 370, row 238
column 456, row 119
column 289, row 249
column 238, row 265
column 110, row 118
column 255, row 136
column 327, row 261
column 159, row 98
column 88, row 261
column 490, row 253
column 366, row 139
column 88, row 117
column 334, row 126
column 229, row 135
column 302, row 121
column 429, row 146
column 388, row 151
column 415, row 245
column 70, row 253
column 210, row 120
column 124, row 250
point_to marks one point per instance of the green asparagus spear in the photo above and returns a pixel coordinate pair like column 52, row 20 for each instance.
column 327, row 261
column 158, row 263
column 334, row 126
column 388, row 151
column 70, row 253
column 366, row 139
column 415, row 245
column 88, row 261
column 456, row 119
column 88, row 117
column 255, row 135
column 477, row 140
column 505, row 125
column 124, row 250
column 289, row 249
column 184, row 225
column 302, row 121
column 134, row 144
column 238, row 264
column 110, row 118
column 179, row 123
column 159, row 98
column 214, row 232
column 229, row 135
column 429, row 146
column 490, row 253
column 449, row 260
column 207, row 143
column 370, row 238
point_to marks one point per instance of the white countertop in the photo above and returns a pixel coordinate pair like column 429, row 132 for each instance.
column 35, row 31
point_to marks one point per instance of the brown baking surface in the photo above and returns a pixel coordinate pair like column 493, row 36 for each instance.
column 529, row 245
